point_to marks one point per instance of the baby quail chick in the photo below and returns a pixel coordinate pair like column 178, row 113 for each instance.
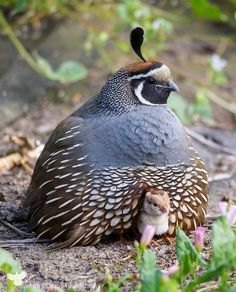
column 155, row 211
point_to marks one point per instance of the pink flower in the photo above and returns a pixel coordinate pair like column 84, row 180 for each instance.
column 199, row 237
column 171, row 270
column 231, row 215
column 229, row 212
column 223, row 207
column 147, row 235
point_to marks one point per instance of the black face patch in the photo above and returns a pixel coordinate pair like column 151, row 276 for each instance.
column 154, row 92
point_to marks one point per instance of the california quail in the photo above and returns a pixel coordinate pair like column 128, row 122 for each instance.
column 97, row 165
column 155, row 211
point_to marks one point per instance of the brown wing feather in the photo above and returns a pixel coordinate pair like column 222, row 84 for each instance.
column 189, row 204
column 54, row 166
column 73, row 202
column 95, row 218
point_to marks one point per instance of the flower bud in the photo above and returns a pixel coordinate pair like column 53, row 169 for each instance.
column 199, row 237
column 147, row 235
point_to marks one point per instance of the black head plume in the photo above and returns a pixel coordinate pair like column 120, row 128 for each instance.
column 136, row 40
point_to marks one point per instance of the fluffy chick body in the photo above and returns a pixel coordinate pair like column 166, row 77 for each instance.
column 155, row 211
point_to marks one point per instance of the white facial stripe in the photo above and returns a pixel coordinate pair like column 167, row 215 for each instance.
column 138, row 93
column 163, row 69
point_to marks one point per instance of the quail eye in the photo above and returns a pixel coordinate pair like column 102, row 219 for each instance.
column 151, row 80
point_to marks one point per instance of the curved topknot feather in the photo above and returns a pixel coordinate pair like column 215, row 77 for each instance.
column 136, row 40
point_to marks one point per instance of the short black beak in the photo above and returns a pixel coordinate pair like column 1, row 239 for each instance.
column 172, row 86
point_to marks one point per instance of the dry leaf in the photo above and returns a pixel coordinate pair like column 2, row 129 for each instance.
column 25, row 155
column 9, row 161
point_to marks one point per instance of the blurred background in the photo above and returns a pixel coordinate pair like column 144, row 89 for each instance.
column 54, row 54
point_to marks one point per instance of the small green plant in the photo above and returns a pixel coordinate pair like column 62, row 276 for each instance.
column 192, row 271
column 216, row 74
column 12, row 269
column 187, row 276
column 152, row 279
column 114, row 285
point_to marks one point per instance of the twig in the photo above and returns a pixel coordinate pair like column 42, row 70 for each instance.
column 15, row 242
column 212, row 218
column 220, row 101
column 126, row 258
column 222, row 46
column 213, row 285
column 17, row 230
column 209, row 143
column 220, row 176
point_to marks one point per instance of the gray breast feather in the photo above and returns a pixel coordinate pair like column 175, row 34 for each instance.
column 146, row 135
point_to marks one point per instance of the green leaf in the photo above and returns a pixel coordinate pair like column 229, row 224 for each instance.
column 205, row 277
column 8, row 264
column 205, row 9
column 150, row 277
column 70, row 71
column 114, row 285
column 223, row 245
column 17, row 278
column 19, row 6
column 223, row 258
column 150, row 281
column 187, row 254
column 219, row 78
column 149, row 261
column 168, row 285
column 45, row 67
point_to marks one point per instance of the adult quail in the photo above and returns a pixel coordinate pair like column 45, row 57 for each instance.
column 99, row 163
column 155, row 211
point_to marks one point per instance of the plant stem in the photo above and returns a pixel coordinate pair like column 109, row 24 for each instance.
column 223, row 280
column 231, row 107
column 26, row 56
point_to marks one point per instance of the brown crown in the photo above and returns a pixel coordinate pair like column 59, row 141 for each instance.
column 141, row 67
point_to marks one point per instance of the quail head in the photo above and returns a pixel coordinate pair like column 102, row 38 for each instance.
column 155, row 211
column 92, row 176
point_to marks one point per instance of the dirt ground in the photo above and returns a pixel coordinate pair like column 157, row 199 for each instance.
column 83, row 268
